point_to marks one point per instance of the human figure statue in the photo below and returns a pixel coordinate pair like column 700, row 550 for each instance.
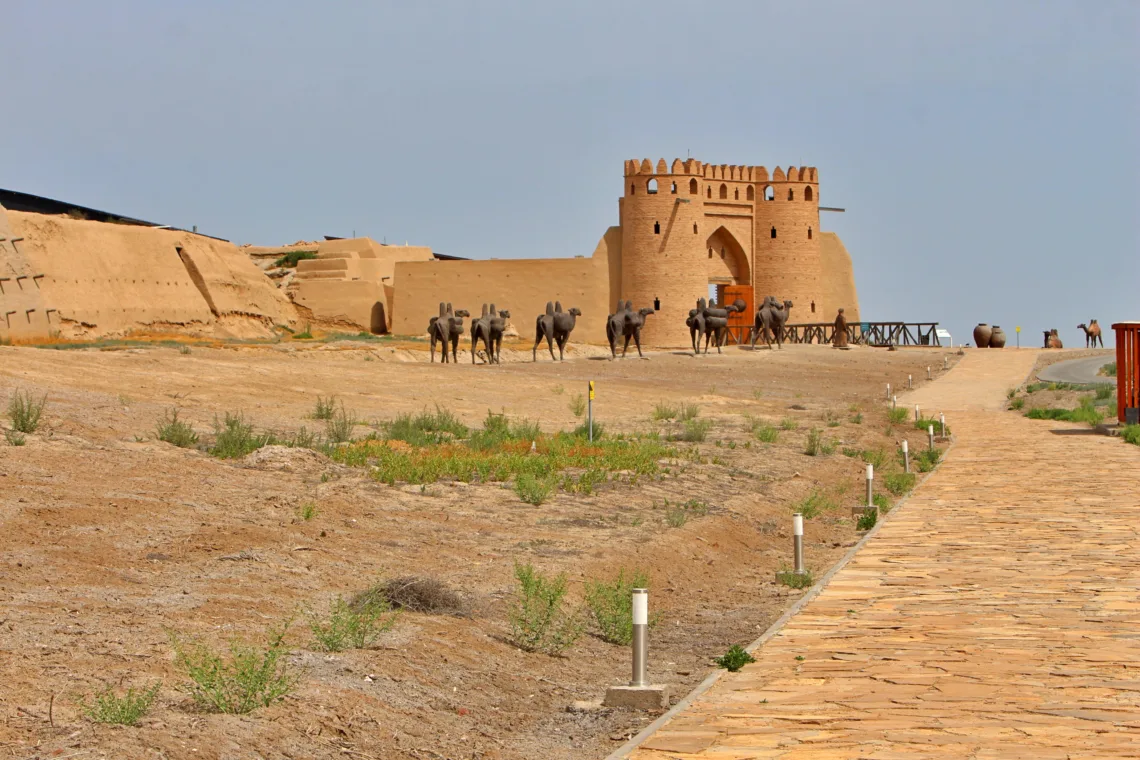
column 447, row 329
column 555, row 325
column 839, row 337
column 1092, row 334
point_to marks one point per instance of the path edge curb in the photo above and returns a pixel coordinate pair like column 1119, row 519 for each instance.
column 637, row 740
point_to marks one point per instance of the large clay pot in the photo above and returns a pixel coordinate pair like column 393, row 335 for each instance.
column 982, row 335
column 997, row 337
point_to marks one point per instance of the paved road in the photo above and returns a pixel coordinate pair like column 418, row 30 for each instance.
column 994, row 615
column 1077, row 371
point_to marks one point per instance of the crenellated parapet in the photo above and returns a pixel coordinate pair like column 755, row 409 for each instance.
column 729, row 172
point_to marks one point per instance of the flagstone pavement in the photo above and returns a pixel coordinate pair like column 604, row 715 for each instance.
column 994, row 615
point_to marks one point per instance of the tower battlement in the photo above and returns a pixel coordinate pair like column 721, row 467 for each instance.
column 731, row 172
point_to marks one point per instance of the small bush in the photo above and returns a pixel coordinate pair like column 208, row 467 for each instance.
column 415, row 593
column 290, row 259
column 1131, row 434
column 897, row 415
column 250, row 677
column 1104, row 391
column 325, row 408
column 184, row 350
column 351, row 626
column 899, row 483
column 876, row 457
column 303, row 439
column 15, row 438
column 757, row 393
column 234, row 437
column 306, row 334
column 858, row 418
column 425, row 428
column 734, row 659
column 1084, row 413
column 308, row 511
column 107, row 707
column 538, row 618
column 1016, row 404
column 881, row 501
column 583, row 430
column 690, row 411
column 694, row 431
column 924, row 423
column 813, row 505
column 577, row 405
column 927, row 459
column 338, row 428
column 814, row 445
column 25, row 411
column 663, row 411
column 534, row 489
column 1010, row 393
column 789, row 423
column 852, row 452
column 1109, row 369
column 497, row 430
column 611, row 604
column 791, row 579
column 173, row 430
column 867, row 520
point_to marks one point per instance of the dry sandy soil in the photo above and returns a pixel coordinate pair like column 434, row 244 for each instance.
column 110, row 540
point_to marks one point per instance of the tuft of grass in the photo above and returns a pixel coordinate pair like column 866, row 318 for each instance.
column 338, row 428
column 867, row 520
column 426, row 428
column 789, row 423
column 290, row 259
column 611, row 604
column 25, row 411
column 534, row 489
column 766, row 433
column 306, row 334
column 15, row 438
column 1010, row 393
column 234, row 437
column 1108, row 369
column 814, row 445
column 173, row 430
column 308, row 511
column 1017, row 404
column 813, row 505
column 757, row 393
column 694, row 431
column 734, row 659
column 415, row 593
column 897, row 415
column 881, row 501
column 899, row 483
column 325, row 408
column 923, row 423
column 184, row 350
column 676, row 515
column 927, row 459
column 303, row 439
column 690, row 411
column 876, row 457
column 538, row 616
column 558, row 390
column 577, row 405
column 349, row 626
column 1086, row 413
column 248, row 678
column 790, row 579
column 497, row 431
column 1104, row 391
column 663, row 411
column 125, row 710
column 858, row 418
column 1131, row 434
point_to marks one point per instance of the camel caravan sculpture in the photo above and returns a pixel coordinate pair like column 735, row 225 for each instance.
column 712, row 323
column 489, row 328
column 555, row 325
column 770, row 319
column 627, row 323
column 446, row 329
column 1092, row 334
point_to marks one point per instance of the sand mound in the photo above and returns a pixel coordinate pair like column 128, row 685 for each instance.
column 286, row 459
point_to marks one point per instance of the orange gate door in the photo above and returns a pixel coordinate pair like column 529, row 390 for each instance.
column 739, row 323
column 1127, row 369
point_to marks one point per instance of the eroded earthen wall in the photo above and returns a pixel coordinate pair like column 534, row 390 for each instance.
column 23, row 313
column 839, row 279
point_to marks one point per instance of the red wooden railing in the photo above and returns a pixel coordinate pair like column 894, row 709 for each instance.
column 1127, row 368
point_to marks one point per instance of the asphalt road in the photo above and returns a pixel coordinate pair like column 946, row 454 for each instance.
column 1077, row 371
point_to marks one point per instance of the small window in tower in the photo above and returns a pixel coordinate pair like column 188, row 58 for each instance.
column 693, row 188
column 809, row 233
column 710, row 192
column 773, row 232
column 673, row 189
column 710, row 253
column 807, row 193
column 769, row 193
column 694, row 229
column 657, row 228
column 813, row 307
column 651, row 186
column 724, row 191
column 751, row 193
column 791, row 194
column 632, row 189
column 736, row 194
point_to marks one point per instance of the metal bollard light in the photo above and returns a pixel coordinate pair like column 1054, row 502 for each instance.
column 640, row 637
column 909, row 382
column 945, row 362
column 906, row 457
column 798, row 541
column 928, row 376
column 870, row 485
column 942, row 421
column 888, row 391
column 917, row 417
column 894, row 401
column 930, row 432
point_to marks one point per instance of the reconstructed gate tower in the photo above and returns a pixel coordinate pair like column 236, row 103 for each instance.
column 750, row 232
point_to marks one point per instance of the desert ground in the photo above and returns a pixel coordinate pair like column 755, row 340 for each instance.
column 115, row 544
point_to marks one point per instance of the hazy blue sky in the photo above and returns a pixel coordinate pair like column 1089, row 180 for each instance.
column 988, row 153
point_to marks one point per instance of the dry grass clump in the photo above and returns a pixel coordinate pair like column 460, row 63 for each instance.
column 415, row 593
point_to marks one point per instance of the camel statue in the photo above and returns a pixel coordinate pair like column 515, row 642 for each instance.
column 615, row 324
column 481, row 331
column 1052, row 339
column 447, row 328
column 1092, row 334
column 696, row 325
column 716, row 322
column 555, row 325
column 498, row 326
column 770, row 320
column 627, row 323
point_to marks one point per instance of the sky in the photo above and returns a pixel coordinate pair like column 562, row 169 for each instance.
column 987, row 153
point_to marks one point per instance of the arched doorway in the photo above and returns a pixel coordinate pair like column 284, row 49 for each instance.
column 728, row 271
column 379, row 325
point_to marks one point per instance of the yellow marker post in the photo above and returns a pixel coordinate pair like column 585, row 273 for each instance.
column 590, row 412
column 1018, row 331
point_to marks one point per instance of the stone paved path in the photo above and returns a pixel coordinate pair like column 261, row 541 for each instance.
column 995, row 615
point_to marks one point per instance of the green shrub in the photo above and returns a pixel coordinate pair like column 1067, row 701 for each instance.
column 303, row 439
column 690, row 411
column 927, row 459
column 852, row 452
column 789, row 423
column 325, row 408
column 1105, row 391
column 897, row 415
column 338, row 428
column 175, row 431
column 1109, row 369
column 234, row 437
column 791, row 579
column 350, row 626
column 1010, row 393
column 538, row 618
column 1086, row 413
column 814, row 445
column 734, row 659
column 876, row 457
column 107, row 707
column 924, row 423
column 577, row 405
column 184, row 350
column 813, row 505
column 306, row 334
column 534, row 489
column 858, row 418
column 497, row 430
column 290, row 259
column 663, row 411
column 425, row 428
column 25, row 411
column 899, row 483
column 611, row 604
column 250, row 677
column 766, row 433
column 583, row 430
column 1131, row 434
column 15, row 438
column 867, row 520
column 881, row 501
column 1017, row 404
column 307, row 511
column 694, row 431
